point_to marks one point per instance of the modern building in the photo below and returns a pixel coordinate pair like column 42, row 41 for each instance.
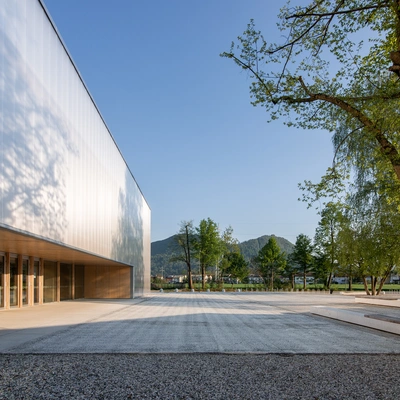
column 73, row 221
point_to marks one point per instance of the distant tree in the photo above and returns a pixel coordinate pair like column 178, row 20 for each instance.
column 380, row 248
column 207, row 245
column 302, row 256
column 229, row 245
column 322, row 267
column 270, row 261
column 184, row 241
column 351, row 262
column 290, row 270
column 325, row 241
column 368, row 246
column 237, row 266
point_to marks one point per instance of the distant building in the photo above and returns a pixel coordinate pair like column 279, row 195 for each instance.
column 176, row 278
column 340, row 280
column 255, row 279
column 199, row 278
column 73, row 221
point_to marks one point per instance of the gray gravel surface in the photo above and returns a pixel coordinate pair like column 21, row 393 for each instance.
column 199, row 376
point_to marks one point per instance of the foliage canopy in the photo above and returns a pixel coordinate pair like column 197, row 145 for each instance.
column 326, row 76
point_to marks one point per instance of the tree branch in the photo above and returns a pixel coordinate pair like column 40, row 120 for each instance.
column 387, row 148
column 336, row 12
column 256, row 75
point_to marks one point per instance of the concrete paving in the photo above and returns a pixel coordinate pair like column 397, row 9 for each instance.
column 195, row 323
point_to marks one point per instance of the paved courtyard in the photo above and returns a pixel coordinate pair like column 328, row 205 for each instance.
column 196, row 346
column 194, row 323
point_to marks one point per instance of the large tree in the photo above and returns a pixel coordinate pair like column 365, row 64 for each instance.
column 338, row 69
column 184, row 247
column 207, row 245
column 270, row 260
column 368, row 243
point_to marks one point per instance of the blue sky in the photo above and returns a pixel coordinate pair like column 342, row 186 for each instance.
column 182, row 117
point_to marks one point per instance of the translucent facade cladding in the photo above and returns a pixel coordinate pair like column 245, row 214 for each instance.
column 62, row 177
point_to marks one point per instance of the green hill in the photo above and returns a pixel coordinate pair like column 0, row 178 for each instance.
column 250, row 248
column 162, row 250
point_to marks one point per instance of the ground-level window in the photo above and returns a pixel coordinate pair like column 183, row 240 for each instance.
column 36, row 281
column 25, row 281
column 50, row 282
column 65, row 281
column 13, row 281
column 79, row 281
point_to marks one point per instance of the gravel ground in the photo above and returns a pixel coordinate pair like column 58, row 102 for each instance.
column 199, row 376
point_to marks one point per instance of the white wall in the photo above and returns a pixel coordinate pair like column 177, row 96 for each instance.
column 62, row 176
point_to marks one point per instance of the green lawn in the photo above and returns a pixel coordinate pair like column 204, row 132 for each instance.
column 360, row 286
column 259, row 287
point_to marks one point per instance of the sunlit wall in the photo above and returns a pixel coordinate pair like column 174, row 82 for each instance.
column 62, row 176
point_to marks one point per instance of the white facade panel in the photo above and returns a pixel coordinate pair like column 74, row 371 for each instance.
column 62, row 176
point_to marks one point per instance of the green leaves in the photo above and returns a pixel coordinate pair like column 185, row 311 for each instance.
column 207, row 243
column 331, row 72
column 270, row 260
column 237, row 266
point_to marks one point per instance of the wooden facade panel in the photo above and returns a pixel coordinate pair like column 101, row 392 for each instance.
column 90, row 276
column 125, row 283
column 103, row 282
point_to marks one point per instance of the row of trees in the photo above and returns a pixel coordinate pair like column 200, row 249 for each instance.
column 205, row 246
column 354, row 245
column 271, row 262
column 341, row 247
column 210, row 249
column 368, row 251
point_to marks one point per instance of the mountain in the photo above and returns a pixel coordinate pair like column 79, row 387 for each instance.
column 250, row 248
column 162, row 250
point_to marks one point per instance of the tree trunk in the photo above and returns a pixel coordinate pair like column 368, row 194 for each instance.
column 203, row 277
column 189, row 265
column 190, row 279
column 272, row 281
column 373, row 286
column 366, row 286
column 383, row 279
column 329, row 280
column 292, row 279
column 350, row 283
column 304, row 280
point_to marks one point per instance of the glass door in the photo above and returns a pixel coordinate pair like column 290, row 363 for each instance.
column 13, row 281
column 65, row 282
column 25, row 282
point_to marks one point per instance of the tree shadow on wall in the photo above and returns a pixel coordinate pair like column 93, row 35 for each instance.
column 33, row 155
column 128, row 243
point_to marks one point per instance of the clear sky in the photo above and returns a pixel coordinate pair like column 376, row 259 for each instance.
column 182, row 117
